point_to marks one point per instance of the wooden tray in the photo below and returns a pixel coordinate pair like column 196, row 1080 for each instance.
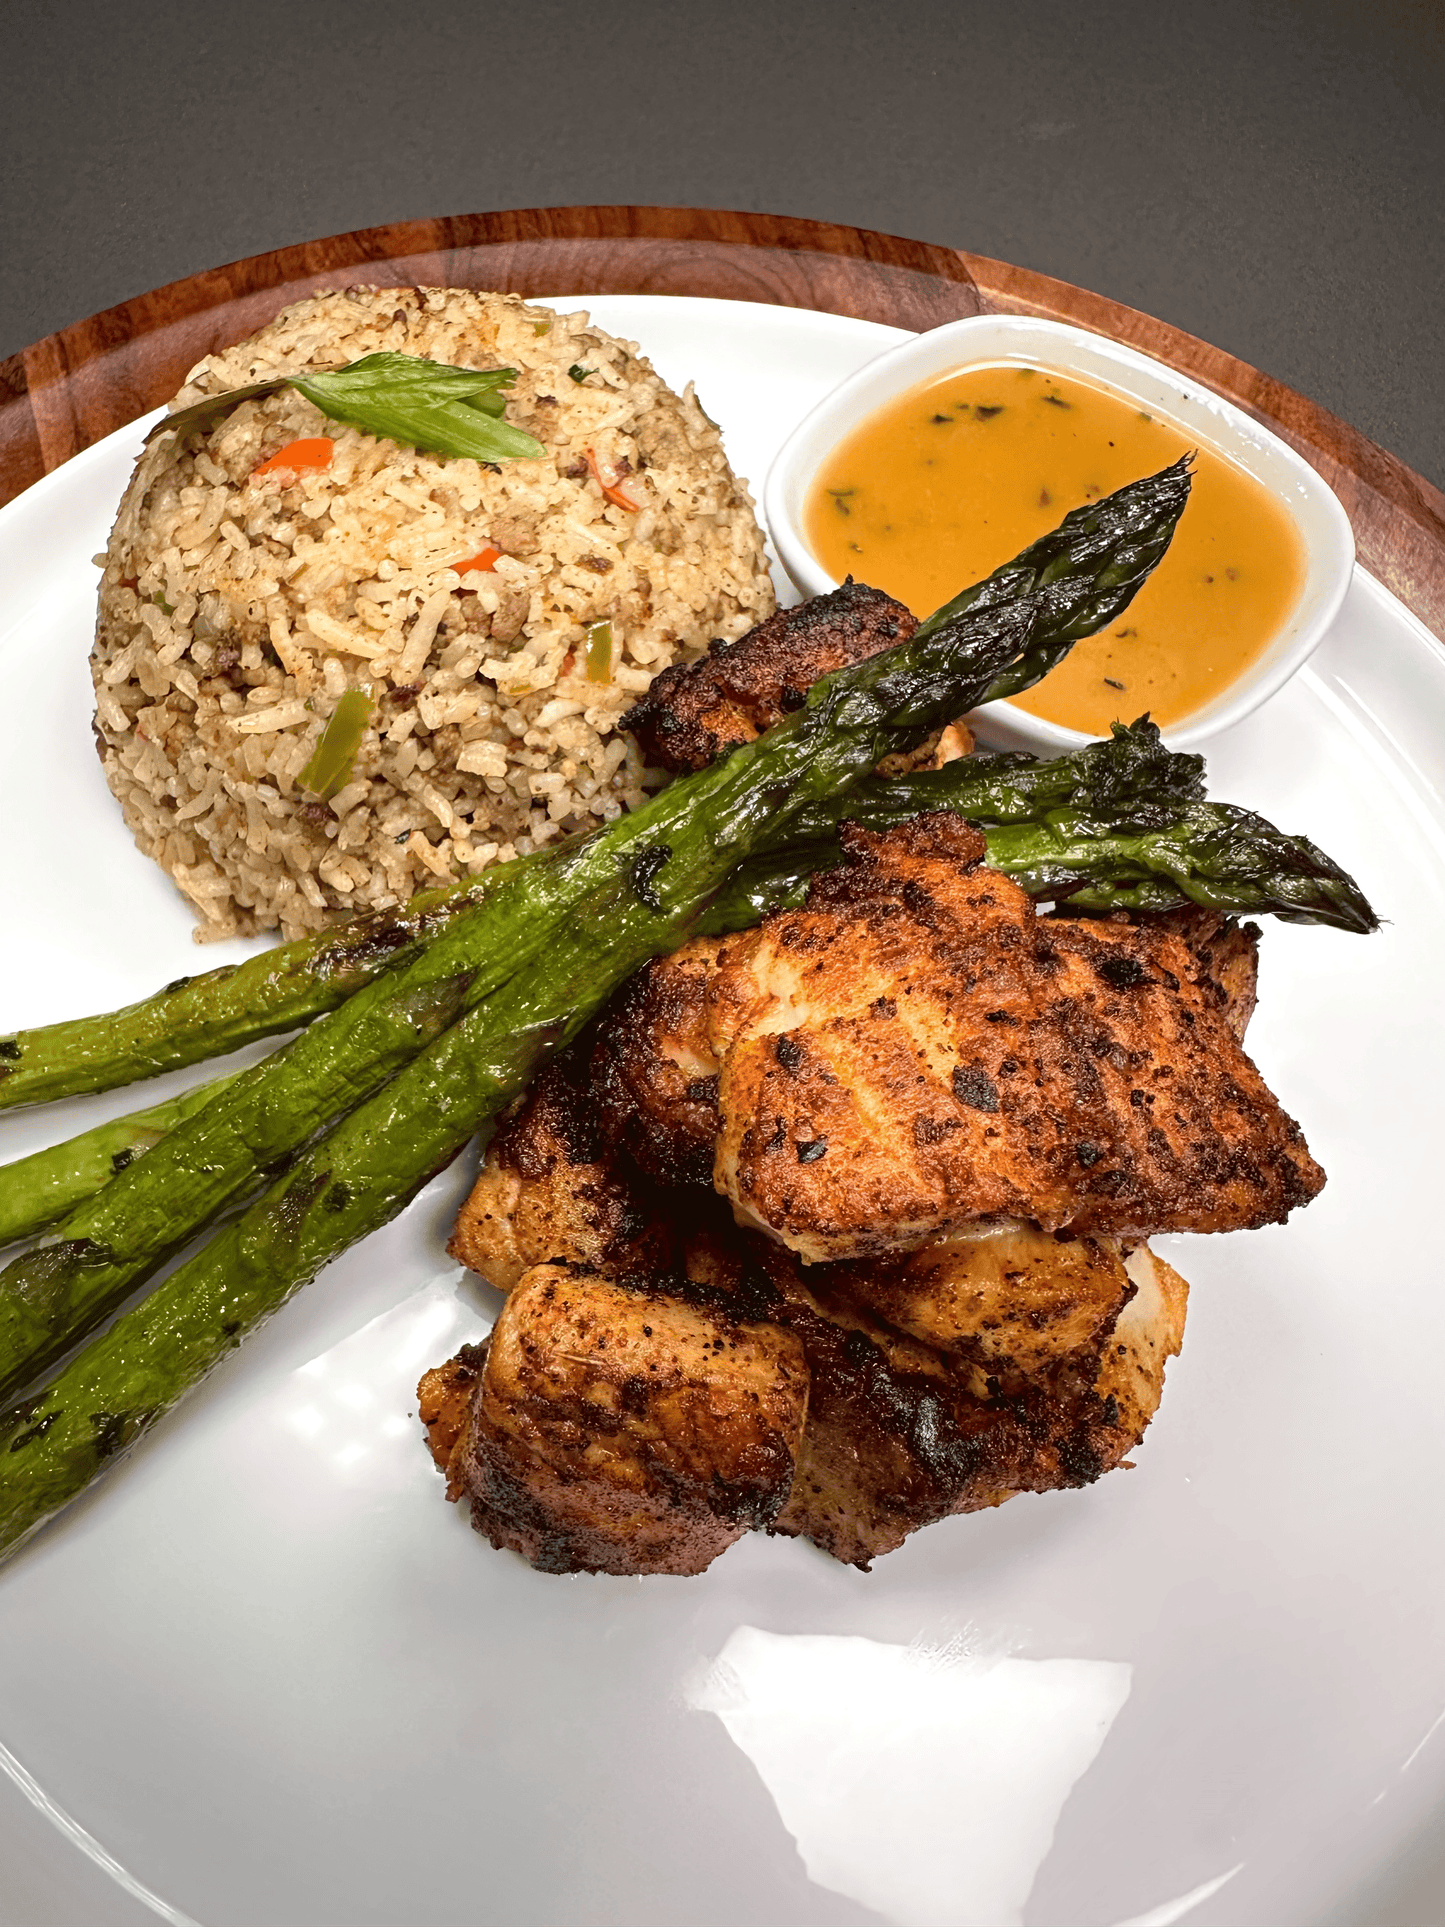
column 76, row 386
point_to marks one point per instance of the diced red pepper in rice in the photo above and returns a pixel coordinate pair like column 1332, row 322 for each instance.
column 314, row 452
column 609, row 480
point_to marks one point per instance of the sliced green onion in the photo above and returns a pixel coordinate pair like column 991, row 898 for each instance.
column 599, row 652
column 422, row 404
column 579, row 373
column 202, row 416
column 335, row 754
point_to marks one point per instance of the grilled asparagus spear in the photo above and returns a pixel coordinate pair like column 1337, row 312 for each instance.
column 645, row 886
column 37, row 1190
column 221, row 1010
column 629, row 892
column 675, row 852
column 1088, row 570
column 1117, row 825
column 1122, row 533
column 346, row 1186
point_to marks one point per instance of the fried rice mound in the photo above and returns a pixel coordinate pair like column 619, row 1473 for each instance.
column 237, row 608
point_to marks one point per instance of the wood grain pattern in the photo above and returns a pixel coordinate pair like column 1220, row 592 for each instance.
column 78, row 385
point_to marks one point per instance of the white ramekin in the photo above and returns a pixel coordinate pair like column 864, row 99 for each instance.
column 984, row 340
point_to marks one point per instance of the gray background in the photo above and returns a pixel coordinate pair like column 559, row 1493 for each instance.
column 1268, row 175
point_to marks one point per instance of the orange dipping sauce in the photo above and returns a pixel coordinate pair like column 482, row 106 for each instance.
column 953, row 478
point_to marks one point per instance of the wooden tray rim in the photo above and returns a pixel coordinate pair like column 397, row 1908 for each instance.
column 70, row 389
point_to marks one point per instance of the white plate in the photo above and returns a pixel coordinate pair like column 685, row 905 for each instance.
column 265, row 1674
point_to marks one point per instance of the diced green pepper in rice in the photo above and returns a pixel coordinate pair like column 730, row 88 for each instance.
column 335, row 752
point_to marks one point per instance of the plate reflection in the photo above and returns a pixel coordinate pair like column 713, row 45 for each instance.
column 924, row 1784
